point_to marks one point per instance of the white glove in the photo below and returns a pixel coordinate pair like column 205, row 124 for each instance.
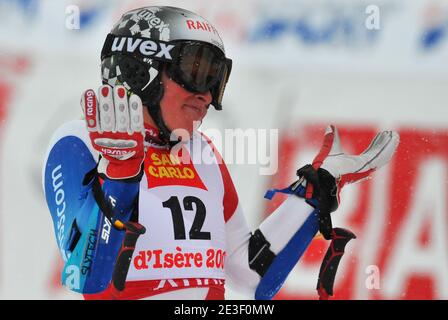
column 116, row 130
column 331, row 169
column 353, row 168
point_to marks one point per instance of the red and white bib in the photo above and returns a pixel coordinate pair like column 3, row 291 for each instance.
column 181, row 206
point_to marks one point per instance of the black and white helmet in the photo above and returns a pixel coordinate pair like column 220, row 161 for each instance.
column 147, row 40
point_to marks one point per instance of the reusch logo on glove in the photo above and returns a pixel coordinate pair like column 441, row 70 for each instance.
column 144, row 47
column 116, row 152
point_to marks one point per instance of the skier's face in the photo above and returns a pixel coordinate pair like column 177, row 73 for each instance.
column 182, row 109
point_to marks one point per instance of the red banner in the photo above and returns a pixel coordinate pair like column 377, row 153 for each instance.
column 5, row 93
column 400, row 217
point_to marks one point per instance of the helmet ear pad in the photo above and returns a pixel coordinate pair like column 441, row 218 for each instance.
column 140, row 77
column 137, row 77
column 134, row 73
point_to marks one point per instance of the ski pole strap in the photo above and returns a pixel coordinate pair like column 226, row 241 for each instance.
column 339, row 239
column 325, row 224
column 91, row 177
column 271, row 192
column 296, row 189
column 98, row 194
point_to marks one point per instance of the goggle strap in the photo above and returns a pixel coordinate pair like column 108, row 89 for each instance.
column 222, row 86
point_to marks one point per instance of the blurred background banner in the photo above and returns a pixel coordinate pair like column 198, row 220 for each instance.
column 364, row 66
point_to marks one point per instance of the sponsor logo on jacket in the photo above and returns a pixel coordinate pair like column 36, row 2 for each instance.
column 163, row 168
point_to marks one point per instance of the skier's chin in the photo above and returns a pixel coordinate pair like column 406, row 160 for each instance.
column 185, row 132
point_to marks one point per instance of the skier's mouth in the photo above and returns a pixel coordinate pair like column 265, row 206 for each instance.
column 197, row 112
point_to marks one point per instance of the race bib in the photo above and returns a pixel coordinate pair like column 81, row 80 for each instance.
column 181, row 206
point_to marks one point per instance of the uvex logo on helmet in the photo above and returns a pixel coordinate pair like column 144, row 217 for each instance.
column 142, row 46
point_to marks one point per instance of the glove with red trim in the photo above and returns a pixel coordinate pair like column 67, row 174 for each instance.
column 331, row 169
column 116, row 130
column 353, row 168
column 324, row 178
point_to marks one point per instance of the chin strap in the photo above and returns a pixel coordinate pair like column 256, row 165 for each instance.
column 164, row 131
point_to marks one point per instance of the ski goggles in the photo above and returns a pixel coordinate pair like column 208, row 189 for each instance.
column 197, row 66
column 201, row 67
